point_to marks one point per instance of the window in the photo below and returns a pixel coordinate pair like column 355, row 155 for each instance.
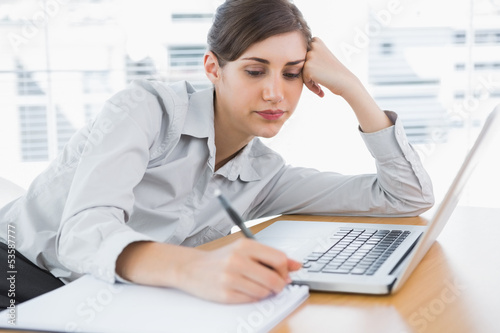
column 186, row 63
column 190, row 17
column 186, row 57
column 397, row 86
column 142, row 69
column 439, row 69
column 96, row 82
column 64, row 129
column 33, row 126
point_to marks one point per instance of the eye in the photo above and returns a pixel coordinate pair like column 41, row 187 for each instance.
column 292, row 76
column 254, row 73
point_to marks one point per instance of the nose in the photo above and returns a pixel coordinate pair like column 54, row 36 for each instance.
column 273, row 89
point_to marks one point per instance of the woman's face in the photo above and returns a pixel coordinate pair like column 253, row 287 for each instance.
column 259, row 91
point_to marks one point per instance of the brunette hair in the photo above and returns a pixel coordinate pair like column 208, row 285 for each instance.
column 238, row 24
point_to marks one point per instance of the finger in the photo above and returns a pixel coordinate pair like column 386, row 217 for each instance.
column 252, row 287
column 267, row 266
column 266, row 276
column 236, row 296
column 294, row 265
column 315, row 88
column 320, row 93
column 261, row 263
column 272, row 258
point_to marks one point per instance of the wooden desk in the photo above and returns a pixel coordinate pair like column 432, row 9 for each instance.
column 454, row 289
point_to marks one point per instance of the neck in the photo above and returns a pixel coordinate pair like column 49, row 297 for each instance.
column 227, row 146
column 228, row 141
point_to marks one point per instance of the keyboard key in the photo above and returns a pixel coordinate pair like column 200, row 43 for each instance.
column 338, row 261
column 358, row 270
column 359, row 254
column 323, row 261
column 330, row 267
column 364, row 265
column 337, row 271
column 328, row 255
column 315, row 267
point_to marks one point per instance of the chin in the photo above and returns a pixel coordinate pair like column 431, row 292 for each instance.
column 268, row 134
column 267, row 130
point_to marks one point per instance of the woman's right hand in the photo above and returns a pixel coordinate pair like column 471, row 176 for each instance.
column 243, row 271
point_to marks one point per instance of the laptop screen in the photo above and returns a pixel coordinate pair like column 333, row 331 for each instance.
column 452, row 197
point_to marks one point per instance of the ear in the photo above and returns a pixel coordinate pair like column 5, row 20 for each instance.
column 212, row 68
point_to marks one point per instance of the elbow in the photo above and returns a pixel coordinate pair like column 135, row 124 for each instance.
column 417, row 206
column 428, row 199
column 421, row 208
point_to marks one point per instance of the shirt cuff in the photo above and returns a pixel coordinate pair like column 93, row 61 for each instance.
column 102, row 262
column 114, row 249
column 392, row 143
column 389, row 142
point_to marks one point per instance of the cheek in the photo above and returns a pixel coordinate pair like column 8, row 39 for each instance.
column 244, row 95
column 295, row 92
column 231, row 93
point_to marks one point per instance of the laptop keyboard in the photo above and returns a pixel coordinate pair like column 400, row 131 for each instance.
column 356, row 251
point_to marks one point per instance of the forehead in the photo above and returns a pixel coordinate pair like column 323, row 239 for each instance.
column 278, row 49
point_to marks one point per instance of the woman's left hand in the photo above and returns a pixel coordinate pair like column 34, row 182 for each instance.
column 322, row 68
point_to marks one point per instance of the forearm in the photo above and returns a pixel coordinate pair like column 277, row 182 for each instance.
column 370, row 117
column 153, row 263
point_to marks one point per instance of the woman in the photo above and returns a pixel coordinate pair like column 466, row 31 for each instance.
column 133, row 193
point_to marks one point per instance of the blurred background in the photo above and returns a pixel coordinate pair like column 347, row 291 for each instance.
column 436, row 63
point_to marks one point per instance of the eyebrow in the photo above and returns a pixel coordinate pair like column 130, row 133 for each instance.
column 264, row 61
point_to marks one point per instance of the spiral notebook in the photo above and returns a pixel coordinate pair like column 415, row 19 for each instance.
column 90, row 305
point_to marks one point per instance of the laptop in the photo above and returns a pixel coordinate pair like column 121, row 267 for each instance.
column 364, row 257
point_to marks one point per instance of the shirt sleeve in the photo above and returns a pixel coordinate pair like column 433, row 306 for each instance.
column 401, row 186
column 113, row 160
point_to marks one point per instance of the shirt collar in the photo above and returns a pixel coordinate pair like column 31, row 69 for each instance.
column 199, row 121
column 241, row 166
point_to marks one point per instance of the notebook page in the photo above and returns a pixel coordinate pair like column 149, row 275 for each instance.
column 91, row 305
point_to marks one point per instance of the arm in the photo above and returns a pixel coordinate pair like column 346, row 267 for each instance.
column 401, row 187
column 322, row 68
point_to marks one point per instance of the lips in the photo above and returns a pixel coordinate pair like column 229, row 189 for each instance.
column 271, row 114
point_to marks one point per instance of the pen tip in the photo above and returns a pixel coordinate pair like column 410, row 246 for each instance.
column 217, row 192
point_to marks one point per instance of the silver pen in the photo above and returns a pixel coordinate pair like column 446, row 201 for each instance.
column 235, row 217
